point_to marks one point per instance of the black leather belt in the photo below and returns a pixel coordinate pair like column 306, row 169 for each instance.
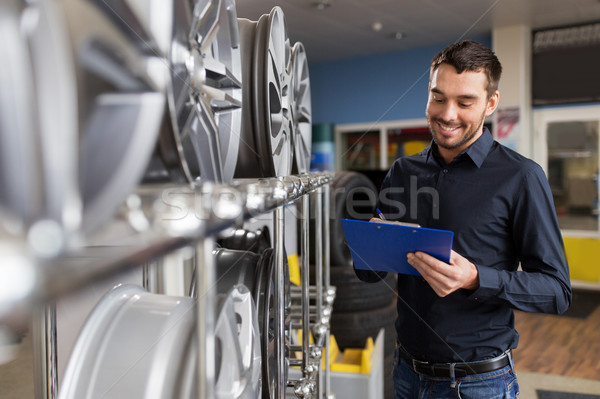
column 460, row 369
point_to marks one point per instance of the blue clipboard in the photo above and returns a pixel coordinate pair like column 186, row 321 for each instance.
column 383, row 246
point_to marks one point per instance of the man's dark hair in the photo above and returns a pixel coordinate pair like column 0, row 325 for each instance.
column 468, row 55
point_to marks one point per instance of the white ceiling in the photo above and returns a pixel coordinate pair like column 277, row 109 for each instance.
column 344, row 30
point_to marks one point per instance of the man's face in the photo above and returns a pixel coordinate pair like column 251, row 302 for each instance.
column 457, row 107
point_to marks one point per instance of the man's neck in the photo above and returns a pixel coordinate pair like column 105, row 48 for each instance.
column 448, row 154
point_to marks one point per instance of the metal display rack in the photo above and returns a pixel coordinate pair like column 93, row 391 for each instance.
column 209, row 209
column 103, row 95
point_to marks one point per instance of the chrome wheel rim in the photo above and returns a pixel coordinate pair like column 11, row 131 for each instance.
column 272, row 91
column 267, row 116
column 264, row 292
column 248, row 164
column 238, row 336
column 204, row 93
column 120, row 98
column 301, row 110
column 131, row 337
column 17, row 150
column 38, row 116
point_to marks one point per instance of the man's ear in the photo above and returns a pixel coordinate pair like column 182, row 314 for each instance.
column 492, row 104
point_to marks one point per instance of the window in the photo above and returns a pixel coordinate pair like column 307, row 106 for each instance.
column 567, row 147
column 573, row 172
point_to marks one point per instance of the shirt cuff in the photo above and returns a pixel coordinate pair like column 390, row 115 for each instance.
column 489, row 283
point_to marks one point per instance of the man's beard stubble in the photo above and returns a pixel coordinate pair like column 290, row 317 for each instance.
column 465, row 139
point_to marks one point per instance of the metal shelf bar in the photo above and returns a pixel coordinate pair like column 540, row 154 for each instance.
column 280, row 375
column 205, row 322
column 319, row 271
column 45, row 372
column 326, row 260
column 305, row 274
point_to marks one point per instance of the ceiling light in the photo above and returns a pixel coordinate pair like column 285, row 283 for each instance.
column 399, row 35
column 376, row 26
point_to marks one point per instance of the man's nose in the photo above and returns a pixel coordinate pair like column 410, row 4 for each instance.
column 449, row 112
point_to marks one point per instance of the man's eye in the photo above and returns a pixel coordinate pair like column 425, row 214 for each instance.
column 465, row 105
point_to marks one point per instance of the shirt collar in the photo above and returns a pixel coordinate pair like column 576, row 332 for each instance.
column 477, row 151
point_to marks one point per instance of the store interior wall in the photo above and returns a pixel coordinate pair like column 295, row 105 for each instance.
column 390, row 86
column 512, row 45
column 393, row 86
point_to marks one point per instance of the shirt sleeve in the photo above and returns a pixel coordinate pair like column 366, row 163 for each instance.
column 542, row 284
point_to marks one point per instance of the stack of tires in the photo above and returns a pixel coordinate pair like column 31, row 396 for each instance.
column 360, row 309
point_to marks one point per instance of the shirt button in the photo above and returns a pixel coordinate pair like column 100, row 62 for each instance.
column 445, row 170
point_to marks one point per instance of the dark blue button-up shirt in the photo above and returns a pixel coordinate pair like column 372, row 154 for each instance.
column 499, row 206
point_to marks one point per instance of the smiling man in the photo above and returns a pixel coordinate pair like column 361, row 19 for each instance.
column 455, row 325
column 457, row 107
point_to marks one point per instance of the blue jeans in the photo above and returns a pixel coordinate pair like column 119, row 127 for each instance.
column 499, row 384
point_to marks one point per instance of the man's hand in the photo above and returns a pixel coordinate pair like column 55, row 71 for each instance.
column 445, row 278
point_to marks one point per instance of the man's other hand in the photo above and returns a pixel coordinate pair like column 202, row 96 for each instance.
column 445, row 278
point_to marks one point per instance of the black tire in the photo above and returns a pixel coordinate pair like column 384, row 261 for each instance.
column 351, row 329
column 354, row 295
column 388, row 374
column 352, row 196
column 388, row 360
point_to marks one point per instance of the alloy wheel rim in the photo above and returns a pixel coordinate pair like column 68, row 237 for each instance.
column 272, row 78
column 205, row 96
column 301, row 110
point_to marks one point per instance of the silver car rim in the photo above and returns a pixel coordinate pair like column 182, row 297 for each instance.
column 121, row 102
column 131, row 337
column 138, row 344
column 264, row 292
column 272, row 77
column 38, row 115
column 205, row 92
column 248, row 164
column 20, row 193
column 301, row 110
column 238, row 336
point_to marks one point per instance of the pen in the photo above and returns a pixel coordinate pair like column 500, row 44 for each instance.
column 380, row 214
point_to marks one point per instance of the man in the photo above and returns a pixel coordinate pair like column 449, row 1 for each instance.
column 455, row 324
